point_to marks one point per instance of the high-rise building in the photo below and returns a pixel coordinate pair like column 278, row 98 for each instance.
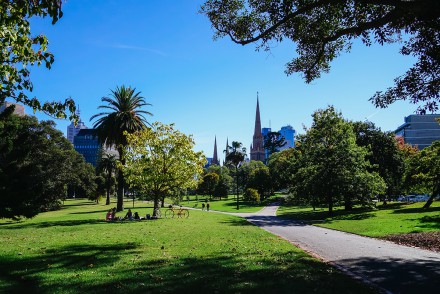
column 420, row 130
column 86, row 143
column 73, row 130
column 289, row 137
column 257, row 147
column 19, row 109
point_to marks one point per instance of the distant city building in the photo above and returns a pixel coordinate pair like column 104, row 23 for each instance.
column 73, row 130
column 257, row 147
column 420, row 130
column 289, row 137
column 19, row 109
column 86, row 143
column 264, row 132
column 209, row 162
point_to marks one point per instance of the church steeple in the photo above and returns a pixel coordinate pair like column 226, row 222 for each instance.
column 215, row 158
column 257, row 148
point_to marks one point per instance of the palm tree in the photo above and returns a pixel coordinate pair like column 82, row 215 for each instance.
column 235, row 155
column 107, row 164
column 124, row 115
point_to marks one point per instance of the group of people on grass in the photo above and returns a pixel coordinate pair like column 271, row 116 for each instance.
column 111, row 215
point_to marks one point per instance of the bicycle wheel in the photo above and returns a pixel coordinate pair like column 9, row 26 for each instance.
column 184, row 213
column 169, row 213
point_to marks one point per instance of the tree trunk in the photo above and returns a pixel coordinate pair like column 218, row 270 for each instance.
column 347, row 204
column 431, row 199
column 107, row 202
column 156, row 204
column 330, row 206
column 121, row 182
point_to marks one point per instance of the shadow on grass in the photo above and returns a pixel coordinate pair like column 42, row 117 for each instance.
column 91, row 269
column 417, row 210
column 322, row 216
column 72, row 223
column 398, row 275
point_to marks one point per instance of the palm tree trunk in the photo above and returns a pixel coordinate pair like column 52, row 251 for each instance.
column 121, row 182
column 107, row 202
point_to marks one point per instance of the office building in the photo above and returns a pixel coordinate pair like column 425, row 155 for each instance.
column 420, row 130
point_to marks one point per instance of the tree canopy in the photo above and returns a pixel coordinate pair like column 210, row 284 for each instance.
column 19, row 50
column 332, row 167
column 160, row 160
column 37, row 164
column 323, row 29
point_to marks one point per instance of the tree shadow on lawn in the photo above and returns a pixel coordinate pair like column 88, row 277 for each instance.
column 398, row 275
column 69, row 223
column 90, row 269
column 430, row 222
column 322, row 216
column 417, row 210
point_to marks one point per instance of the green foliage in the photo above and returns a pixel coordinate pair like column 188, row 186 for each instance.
column 107, row 165
column 423, row 171
column 258, row 177
column 124, row 116
column 251, row 195
column 36, row 165
column 282, row 165
column 208, row 184
column 384, row 154
column 322, row 30
column 332, row 167
column 160, row 160
column 19, row 51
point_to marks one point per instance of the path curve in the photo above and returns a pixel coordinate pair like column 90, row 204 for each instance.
column 391, row 267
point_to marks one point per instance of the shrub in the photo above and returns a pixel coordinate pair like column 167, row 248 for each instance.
column 251, row 195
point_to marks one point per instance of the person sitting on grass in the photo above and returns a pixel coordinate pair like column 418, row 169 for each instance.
column 113, row 215
column 108, row 216
column 129, row 215
column 136, row 216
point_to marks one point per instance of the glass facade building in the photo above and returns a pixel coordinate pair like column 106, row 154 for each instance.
column 86, row 143
column 420, row 130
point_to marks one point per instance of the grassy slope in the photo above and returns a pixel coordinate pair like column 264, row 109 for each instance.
column 73, row 250
column 394, row 218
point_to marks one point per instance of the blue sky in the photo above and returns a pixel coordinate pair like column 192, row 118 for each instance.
column 207, row 88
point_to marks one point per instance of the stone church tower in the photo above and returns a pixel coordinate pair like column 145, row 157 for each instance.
column 257, row 147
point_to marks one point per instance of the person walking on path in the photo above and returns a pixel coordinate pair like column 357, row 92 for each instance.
column 203, row 206
column 207, row 206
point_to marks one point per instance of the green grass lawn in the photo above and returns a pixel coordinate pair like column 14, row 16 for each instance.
column 394, row 218
column 227, row 205
column 74, row 250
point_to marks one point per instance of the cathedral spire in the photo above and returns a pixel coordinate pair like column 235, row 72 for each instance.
column 215, row 158
column 257, row 118
column 257, row 149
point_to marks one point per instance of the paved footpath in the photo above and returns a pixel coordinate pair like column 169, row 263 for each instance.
column 393, row 268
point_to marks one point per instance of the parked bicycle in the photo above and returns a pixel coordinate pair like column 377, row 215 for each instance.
column 180, row 212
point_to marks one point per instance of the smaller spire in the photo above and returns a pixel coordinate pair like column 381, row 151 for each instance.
column 215, row 158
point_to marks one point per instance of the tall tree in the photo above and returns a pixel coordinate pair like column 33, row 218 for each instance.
column 273, row 141
column 19, row 51
column 160, row 160
column 282, row 165
column 423, row 172
column 124, row 116
column 37, row 163
column 384, row 155
column 235, row 155
column 107, row 165
column 209, row 183
column 322, row 29
column 333, row 168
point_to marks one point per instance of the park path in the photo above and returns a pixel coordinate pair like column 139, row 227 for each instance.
column 393, row 268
